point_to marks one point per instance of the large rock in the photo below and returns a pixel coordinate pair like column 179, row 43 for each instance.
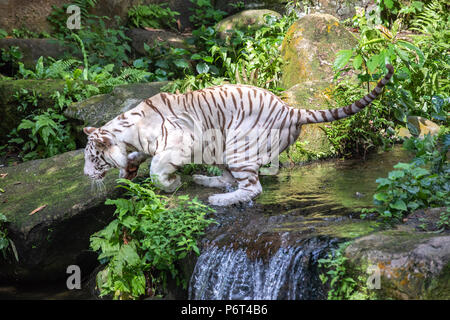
column 99, row 109
column 309, row 49
column 252, row 19
column 412, row 264
column 422, row 127
column 10, row 114
column 58, row 235
column 140, row 36
column 338, row 8
column 33, row 49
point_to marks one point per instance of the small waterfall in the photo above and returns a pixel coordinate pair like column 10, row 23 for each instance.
column 291, row 273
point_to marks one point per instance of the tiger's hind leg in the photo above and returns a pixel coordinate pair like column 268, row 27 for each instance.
column 223, row 181
column 249, row 186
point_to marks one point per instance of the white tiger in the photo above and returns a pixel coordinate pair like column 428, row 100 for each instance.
column 247, row 128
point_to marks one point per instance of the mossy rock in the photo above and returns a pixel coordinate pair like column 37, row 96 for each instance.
column 57, row 236
column 33, row 49
column 9, row 112
column 99, row 109
column 411, row 264
column 310, row 46
column 252, row 19
column 422, row 126
column 312, row 142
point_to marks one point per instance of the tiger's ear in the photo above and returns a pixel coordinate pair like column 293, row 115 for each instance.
column 103, row 142
column 89, row 130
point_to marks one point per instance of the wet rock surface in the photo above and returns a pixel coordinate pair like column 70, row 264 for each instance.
column 412, row 263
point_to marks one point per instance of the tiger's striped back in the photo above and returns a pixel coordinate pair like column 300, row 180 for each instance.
column 246, row 128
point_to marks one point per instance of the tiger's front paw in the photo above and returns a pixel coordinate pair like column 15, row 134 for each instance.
column 170, row 185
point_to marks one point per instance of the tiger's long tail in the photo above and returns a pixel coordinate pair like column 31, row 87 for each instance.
column 316, row 116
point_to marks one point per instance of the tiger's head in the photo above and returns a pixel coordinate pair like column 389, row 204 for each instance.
column 102, row 153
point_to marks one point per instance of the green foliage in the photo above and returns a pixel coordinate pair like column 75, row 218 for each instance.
column 141, row 247
column 56, row 70
column 419, row 86
column 204, row 14
column 26, row 98
column 152, row 16
column 364, row 132
column 422, row 183
column 444, row 219
column 99, row 44
column 45, row 135
column 165, row 62
column 10, row 59
column 6, row 244
column 3, row 33
column 192, row 83
column 249, row 56
column 341, row 285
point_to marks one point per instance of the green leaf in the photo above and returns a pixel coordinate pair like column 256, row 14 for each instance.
column 202, row 67
column 128, row 253
column 412, row 47
column 181, row 63
column 357, row 62
column 374, row 62
column 396, row 174
column 399, row 205
column 342, row 58
column 380, row 196
column 389, row 4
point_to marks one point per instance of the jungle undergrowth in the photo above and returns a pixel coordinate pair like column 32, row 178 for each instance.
column 141, row 248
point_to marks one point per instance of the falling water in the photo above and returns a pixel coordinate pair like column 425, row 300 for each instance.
column 291, row 273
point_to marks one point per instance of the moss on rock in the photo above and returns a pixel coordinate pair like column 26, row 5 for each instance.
column 253, row 19
column 309, row 48
column 98, row 110
column 411, row 264
column 56, row 236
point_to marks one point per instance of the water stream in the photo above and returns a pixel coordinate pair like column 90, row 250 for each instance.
column 270, row 249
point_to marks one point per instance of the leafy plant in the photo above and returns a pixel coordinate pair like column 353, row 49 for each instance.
column 141, row 247
column 364, row 132
column 6, row 243
column 26, row 98
column 166, row 62
column 46, row 135
column 204, row 13
column 422, row 183
column 341, row 285
column 10, row 59
column 152, row 16
column 56, row 70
